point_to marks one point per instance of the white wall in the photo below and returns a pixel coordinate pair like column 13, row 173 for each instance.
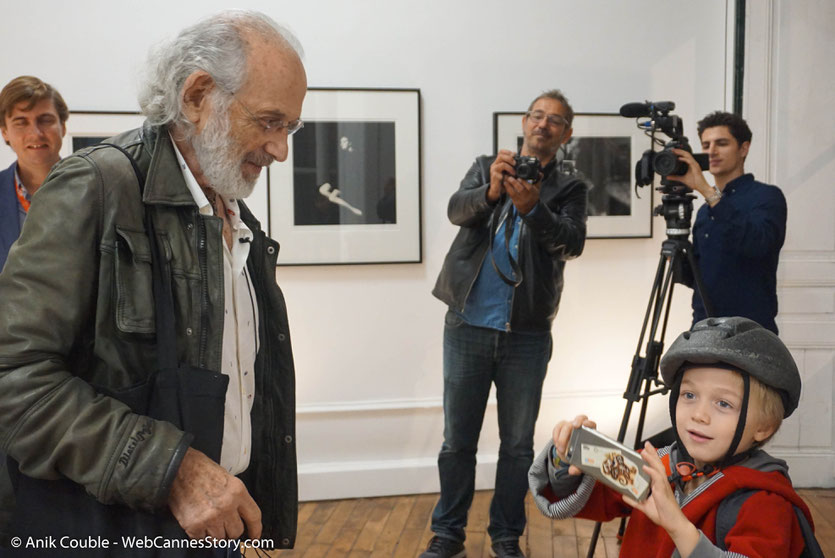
column 368, row 338
column 789, row 87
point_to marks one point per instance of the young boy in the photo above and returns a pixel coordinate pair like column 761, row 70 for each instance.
column 732, row 382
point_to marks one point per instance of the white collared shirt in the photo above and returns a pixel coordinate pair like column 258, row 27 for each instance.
column 240, row 330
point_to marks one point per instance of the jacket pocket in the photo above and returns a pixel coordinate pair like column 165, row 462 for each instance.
column 134, row 284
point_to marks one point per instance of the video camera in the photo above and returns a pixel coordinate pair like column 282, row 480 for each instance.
column 677, row 201
column 664, row 162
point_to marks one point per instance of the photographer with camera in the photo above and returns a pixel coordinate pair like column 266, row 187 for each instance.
column 520, row 219
column 740, row 229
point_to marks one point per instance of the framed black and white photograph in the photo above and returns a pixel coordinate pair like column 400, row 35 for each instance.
column 349, row 192
column 602, row 151
column 90, row 128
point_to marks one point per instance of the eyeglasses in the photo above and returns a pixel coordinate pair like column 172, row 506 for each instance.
column 271, row 125
column 553, row 119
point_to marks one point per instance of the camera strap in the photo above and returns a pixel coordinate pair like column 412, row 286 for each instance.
column 495, row 219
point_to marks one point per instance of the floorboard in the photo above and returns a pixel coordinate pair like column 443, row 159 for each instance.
column 399, row 527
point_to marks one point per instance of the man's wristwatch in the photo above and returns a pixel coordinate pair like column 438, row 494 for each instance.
column 715, row 197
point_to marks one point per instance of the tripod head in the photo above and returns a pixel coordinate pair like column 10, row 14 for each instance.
column 677, row 209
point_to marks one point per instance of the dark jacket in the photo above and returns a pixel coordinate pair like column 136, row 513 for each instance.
column 551, row 234
column 9, row 209
column 77, row 321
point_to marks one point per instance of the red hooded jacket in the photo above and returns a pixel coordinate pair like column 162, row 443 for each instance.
column 765, row 527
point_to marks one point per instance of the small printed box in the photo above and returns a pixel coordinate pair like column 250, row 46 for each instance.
column 608, row 461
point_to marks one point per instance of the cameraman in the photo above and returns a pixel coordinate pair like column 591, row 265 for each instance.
column 740, row 229
column 502, row 280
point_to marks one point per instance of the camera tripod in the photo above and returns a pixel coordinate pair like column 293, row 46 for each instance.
column 643, row 383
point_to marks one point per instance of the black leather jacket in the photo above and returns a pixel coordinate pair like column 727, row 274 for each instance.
column 550, row 235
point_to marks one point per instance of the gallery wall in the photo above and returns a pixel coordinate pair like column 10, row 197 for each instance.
column 788, row 81
column 367, row 338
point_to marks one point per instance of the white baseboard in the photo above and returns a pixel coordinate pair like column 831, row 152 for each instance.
column 365, row 479
column 807, row 469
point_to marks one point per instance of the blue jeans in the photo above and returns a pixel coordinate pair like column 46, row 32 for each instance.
column 474, row 358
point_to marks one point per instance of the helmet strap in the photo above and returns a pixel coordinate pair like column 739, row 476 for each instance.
column 730, row 458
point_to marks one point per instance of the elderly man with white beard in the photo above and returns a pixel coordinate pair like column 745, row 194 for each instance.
column 146, row 374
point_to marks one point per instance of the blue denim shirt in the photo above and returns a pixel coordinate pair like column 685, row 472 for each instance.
column 737, row 245
column 491, row 299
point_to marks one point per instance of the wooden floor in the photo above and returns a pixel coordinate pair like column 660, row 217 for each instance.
column 398, row 527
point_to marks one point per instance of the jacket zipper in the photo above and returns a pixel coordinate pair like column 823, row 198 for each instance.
column 204, row 299
column 266, row 349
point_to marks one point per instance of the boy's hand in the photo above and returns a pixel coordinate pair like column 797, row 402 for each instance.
column 661, row 505
column 562, row 433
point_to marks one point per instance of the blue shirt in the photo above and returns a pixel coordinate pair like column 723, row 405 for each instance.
column 491, row 299
column 737, row 245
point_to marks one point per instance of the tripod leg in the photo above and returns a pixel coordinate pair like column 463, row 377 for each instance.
column 594, row 536
column 658, row 349
column 697, row 280
column 633, row 386
column 645, row 369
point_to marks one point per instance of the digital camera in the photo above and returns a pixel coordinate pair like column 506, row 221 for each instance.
column 527, row 168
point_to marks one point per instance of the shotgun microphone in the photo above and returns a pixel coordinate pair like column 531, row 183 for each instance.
column 637, row 110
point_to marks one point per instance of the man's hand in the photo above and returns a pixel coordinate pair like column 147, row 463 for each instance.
column 207, row 501
column 694, row 179
column 524, row 194
column 562, row 434
column 501, row 168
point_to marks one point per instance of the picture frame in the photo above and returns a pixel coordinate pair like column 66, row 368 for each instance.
column 350, row 189
column 86, row 128
column 603, row 150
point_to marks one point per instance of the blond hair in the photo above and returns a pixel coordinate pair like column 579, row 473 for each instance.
column 765, row 406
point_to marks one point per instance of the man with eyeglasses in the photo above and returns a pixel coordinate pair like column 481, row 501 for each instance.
column 90, row 415
column 502, row 280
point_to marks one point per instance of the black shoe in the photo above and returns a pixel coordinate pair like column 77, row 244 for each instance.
column 506, row 549
column 440, row 547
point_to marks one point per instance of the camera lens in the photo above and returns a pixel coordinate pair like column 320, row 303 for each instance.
column 666, row 162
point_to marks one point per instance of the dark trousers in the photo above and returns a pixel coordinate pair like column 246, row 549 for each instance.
column 475, row 358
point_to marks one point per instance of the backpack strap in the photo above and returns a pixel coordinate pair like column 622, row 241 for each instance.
column 813, row 548
column 727, row 513
column 729, row 510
